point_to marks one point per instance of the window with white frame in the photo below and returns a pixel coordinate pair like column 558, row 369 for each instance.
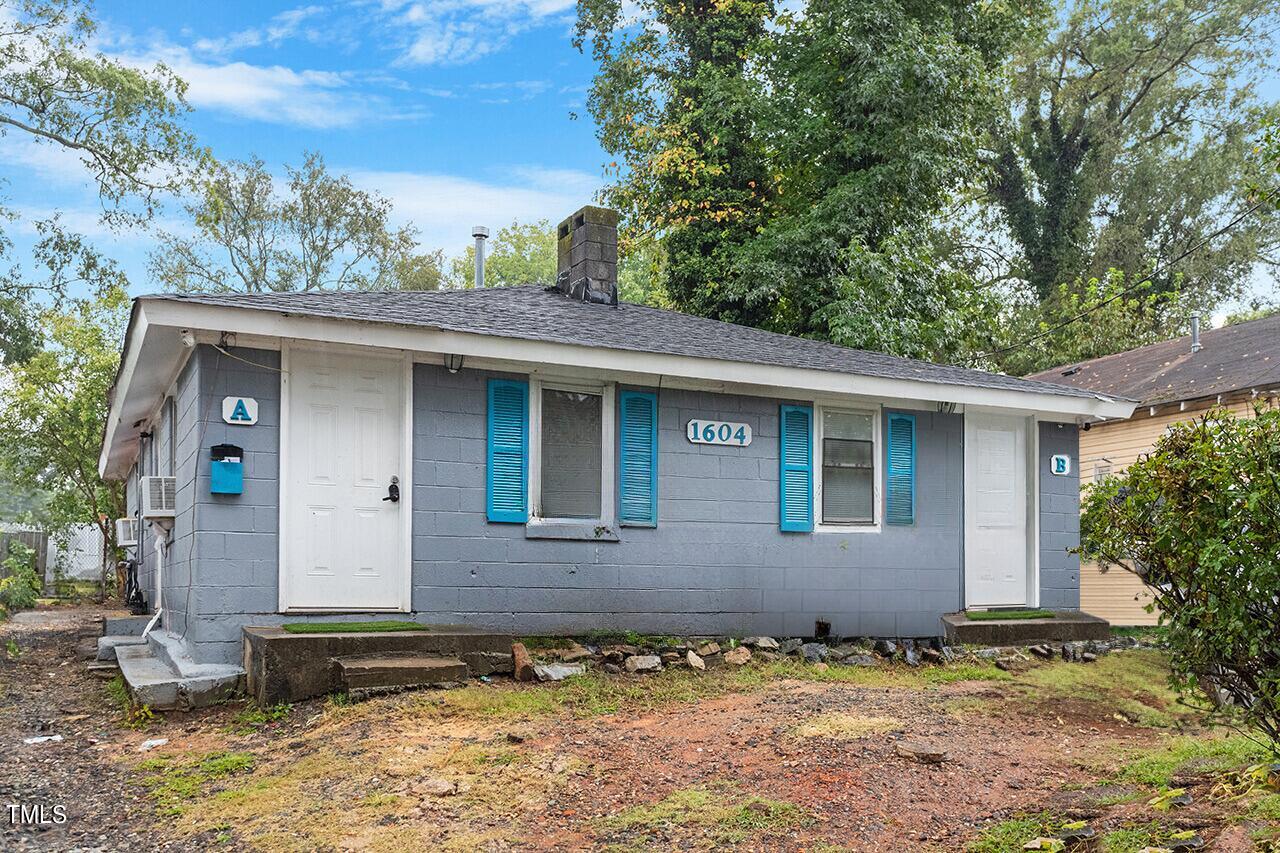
column 847, row 459
column 572, row 439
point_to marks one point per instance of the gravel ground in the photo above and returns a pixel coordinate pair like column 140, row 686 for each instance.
column 46, row 690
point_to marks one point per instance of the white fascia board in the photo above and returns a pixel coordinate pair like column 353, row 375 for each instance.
column 797, row 382
column 128, row 366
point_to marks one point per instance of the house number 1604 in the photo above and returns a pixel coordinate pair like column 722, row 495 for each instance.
column 719, row 432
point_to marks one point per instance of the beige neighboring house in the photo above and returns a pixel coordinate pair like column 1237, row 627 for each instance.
column 1235, row 367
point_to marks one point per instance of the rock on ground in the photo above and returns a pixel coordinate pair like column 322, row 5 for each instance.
column 643, row 663
column 738, row 656
column 522, row 662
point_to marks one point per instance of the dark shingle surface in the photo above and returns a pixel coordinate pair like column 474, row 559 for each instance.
column 1233, row 358
column 531, row 312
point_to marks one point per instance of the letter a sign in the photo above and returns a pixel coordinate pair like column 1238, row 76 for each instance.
column 240, row 410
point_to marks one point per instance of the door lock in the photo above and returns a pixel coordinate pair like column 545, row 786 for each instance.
column 393, row 491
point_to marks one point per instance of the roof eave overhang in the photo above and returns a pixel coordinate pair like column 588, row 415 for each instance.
column 154, row 350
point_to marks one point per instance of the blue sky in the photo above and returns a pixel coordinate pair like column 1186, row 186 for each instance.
column 459, row 111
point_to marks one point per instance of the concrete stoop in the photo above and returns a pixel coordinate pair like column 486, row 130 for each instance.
column 286, row 667
column 1063, row 626
column 161, row 675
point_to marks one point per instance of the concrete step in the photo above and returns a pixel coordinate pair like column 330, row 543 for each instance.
column 154, row 682
column 1063, row 626
column 123, row 622
column 108, row 644
column 380, row 672
column 286, row 667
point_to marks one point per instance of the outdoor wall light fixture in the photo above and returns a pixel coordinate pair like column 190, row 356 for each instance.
column 453, row 362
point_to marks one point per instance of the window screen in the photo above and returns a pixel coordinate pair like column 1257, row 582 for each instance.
column 571, row 451
column 848, row 469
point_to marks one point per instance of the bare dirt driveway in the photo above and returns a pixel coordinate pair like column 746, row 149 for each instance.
column 778, row 756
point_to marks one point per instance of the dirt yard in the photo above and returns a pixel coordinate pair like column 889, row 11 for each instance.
column 781, row 756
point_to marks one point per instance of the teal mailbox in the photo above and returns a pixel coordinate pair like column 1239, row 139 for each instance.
column 226, row 470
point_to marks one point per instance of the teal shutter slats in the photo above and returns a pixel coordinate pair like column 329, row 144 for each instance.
column 900, row 478
column 507, row 473
column 638, row 459
column 795, row 468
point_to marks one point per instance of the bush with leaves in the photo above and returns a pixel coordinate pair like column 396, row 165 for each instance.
column 1198, row 519
column 21, row 585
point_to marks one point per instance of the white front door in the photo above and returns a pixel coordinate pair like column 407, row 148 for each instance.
column 343, row 442
column 996, row 510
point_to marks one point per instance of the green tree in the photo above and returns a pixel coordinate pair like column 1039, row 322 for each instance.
column 1125, row 143
column 125, row 124
column 678, row 99
column 793, row 168
column 517, row 254
column 54, row 408
column 320, row 233
column 1198, row 519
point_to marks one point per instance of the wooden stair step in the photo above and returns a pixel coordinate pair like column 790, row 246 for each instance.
column 371, row 672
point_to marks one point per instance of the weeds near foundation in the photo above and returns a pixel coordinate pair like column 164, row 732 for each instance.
column 1133, row 683
column 132, row 715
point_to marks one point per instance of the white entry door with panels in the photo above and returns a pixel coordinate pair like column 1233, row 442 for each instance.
column 997, row 511
column 344, row 486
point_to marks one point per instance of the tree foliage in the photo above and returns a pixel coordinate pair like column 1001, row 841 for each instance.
column 321, row 232
column 1125, row 142
column 125, row 125
column 520, row 253
column 1198, row 519
column 54, row 408
column 792, row 167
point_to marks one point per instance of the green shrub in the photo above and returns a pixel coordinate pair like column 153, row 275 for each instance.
column 21, row 586
column 1198, row 519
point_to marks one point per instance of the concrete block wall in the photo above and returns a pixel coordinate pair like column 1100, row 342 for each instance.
column 1059, row 519
column 716, row 563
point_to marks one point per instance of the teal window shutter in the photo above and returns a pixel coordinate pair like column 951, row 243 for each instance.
column 795, row 468
column 507, row 472
column 900, row 478
column 638, row 459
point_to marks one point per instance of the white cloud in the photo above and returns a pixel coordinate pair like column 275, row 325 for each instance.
column 444, row 207
column 453, row 32
column 287, row 25
column 270, row 93
column 48, row 160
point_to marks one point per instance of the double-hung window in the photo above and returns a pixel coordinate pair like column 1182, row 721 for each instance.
column 848, row 488
column 572, row 450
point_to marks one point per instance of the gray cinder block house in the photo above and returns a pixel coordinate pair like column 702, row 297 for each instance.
column 544, row 460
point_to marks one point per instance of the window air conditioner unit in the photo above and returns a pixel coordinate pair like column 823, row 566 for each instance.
column 126, row 532
column 158, row 497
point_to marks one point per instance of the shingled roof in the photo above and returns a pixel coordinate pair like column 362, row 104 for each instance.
column 531, row 312
column 1242, row 357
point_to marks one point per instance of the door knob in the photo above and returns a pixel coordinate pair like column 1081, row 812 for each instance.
column 393, row 491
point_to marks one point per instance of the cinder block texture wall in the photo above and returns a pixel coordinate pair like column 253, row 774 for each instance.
column 1059, row 519
column 716, row 563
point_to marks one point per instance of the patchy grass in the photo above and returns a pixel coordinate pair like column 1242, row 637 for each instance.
column 253, row 717
column 1156, row 765
column 993, row 615
column 1266, row 807
column 352, row 627
column 720, row 812
column 590, row 694
column 1136, row 837
column 176, row 784
column 1135, row 684
column 845, row 726
column 1012, row 834
column 954, row 672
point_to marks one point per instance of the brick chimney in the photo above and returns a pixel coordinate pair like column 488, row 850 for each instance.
column 587, row 256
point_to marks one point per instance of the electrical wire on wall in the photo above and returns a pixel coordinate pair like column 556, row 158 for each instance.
column 224, row 341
